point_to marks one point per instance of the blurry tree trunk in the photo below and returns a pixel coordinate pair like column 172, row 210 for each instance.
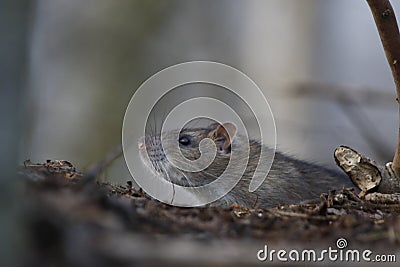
column 14, row 16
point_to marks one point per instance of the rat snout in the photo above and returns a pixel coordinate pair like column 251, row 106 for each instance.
column 147, row 142
column 142, row 143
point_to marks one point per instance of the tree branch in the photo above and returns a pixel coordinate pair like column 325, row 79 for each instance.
column 386, row 23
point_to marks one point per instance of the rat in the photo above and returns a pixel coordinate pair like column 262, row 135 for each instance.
column 289, row 180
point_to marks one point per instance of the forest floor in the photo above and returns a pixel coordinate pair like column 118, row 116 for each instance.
column 73, row 220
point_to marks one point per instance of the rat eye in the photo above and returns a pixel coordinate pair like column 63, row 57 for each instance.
column 184, row 140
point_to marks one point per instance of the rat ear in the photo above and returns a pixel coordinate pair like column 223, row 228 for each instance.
column 223, row 136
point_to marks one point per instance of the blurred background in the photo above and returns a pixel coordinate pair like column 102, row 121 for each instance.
column 69, row 69
column 319, row 63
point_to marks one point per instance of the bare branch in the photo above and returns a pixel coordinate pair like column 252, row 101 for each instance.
column 386, row 23
column 350, row 101
column 98, row 167
column 371, row 97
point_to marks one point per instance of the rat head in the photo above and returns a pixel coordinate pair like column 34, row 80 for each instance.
column 189, row 142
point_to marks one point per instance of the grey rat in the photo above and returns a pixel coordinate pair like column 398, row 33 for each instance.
column 289, row 180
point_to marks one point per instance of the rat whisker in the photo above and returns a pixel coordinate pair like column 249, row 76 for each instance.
column 203, row 171
column 162, row 166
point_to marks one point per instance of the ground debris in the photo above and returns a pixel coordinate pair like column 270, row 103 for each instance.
column 51, row 168
column 379, row 198
column 76, row 223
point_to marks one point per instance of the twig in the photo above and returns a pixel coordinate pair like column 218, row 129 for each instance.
column 305, row 216
column 350, row 103
column 96, row 168
column 385, row 21
column 349, row 95
column 366, row 129
column 383, row 198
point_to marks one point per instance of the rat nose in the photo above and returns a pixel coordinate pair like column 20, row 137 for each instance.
column 142, row 144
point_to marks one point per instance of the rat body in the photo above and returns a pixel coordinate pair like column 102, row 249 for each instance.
column 289, row 180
